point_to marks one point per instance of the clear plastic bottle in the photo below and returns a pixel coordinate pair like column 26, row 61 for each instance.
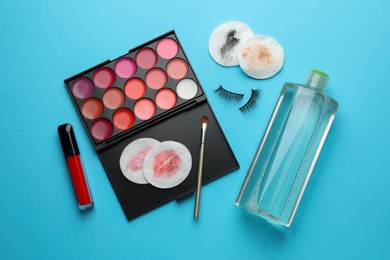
column 286, row 156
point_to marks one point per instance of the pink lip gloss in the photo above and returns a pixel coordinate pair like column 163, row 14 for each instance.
column 76, row 171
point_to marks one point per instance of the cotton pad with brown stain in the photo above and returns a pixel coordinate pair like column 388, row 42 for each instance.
column 261, row 57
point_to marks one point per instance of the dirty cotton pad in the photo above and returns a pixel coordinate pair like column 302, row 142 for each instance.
column 261, row 57
column 132, row 159
column 225, row 40
column 167, row 164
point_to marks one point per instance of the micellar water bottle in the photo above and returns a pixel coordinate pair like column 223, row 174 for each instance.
column 286, row 156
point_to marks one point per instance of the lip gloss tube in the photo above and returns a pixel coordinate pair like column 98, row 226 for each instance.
column 76, row 170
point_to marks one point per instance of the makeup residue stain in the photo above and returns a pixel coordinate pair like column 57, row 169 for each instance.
column 257, row 55
column 166, row 163
column 230, row 42
column 137, row 161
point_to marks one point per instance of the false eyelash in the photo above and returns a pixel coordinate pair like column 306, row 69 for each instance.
column 252, row 101
column 226, row 94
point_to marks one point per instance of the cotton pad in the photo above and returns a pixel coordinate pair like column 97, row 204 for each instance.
column 225, row 40
column 167, row 164
column 132, row 159
column 261, row 57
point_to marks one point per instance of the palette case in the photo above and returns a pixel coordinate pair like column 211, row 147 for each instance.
column 181, row 122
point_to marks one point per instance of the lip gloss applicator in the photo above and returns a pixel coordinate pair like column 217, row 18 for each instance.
column 76, row 171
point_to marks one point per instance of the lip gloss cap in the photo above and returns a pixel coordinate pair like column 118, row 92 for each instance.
column 68, row 140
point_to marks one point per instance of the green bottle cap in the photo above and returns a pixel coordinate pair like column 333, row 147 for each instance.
column 320, row 73
column 317, row 79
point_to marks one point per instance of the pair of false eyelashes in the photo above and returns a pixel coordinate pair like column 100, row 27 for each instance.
column 228, row 95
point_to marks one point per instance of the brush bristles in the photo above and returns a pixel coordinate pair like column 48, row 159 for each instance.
column 205, row 120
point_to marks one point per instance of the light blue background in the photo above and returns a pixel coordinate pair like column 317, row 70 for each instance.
column 346, row 207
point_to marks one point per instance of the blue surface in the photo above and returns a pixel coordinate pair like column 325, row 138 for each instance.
column 345, row 209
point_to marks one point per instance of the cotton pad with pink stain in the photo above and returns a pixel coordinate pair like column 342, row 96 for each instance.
column 132, row 159
column 167, row 165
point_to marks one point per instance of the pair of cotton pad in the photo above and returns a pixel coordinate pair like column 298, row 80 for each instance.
column 163, row 165
column 233, row 43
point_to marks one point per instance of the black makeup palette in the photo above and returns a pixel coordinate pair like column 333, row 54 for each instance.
column 152, row 91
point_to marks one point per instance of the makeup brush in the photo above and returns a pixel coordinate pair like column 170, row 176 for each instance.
column 200, row 166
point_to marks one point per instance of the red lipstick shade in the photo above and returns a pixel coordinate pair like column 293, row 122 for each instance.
column 73, row 159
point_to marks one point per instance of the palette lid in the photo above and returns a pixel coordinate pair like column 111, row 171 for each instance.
column 68, row 140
